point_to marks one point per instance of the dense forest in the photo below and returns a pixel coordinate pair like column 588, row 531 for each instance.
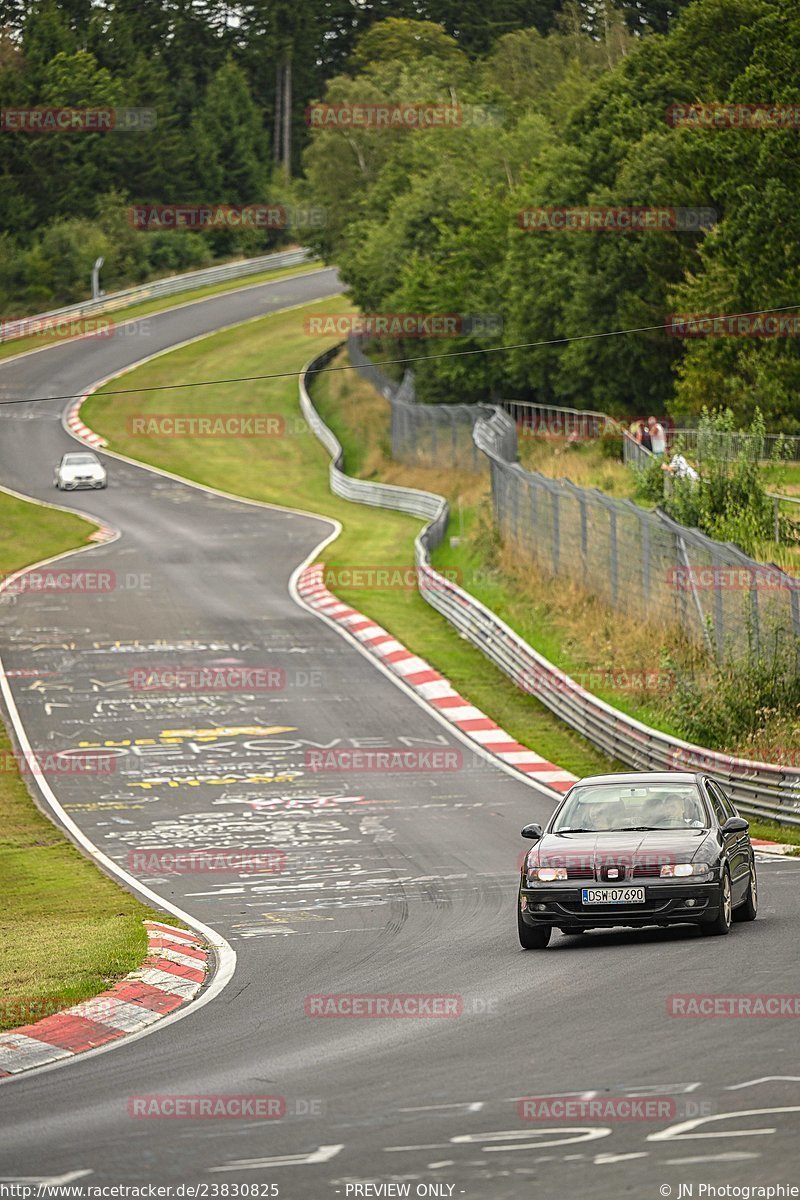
column 562, row 103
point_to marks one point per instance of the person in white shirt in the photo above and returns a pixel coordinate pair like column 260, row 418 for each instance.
column 679, row 467
column 658, row 438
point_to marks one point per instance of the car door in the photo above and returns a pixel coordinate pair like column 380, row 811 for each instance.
column 737, row 845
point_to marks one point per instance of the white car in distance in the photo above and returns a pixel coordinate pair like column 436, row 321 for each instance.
column 80, row 469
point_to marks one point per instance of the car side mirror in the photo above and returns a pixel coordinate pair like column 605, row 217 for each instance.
column 534, row 832
column 735, row 825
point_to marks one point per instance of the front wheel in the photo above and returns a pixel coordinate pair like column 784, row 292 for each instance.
column 532, row 937
column 721, row 924
column 748, row 909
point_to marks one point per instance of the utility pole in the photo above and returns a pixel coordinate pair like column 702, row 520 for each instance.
column 287, row 113
column 277, row 123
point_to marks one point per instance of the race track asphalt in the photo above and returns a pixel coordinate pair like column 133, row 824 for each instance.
column 392, row 885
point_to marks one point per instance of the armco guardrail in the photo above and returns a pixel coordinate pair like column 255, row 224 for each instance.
column 758, row 789
column 380, row 495
column 174, row 284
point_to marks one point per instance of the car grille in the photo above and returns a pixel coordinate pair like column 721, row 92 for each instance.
column 647, row 871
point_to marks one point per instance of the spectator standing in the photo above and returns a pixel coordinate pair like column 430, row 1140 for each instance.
column 658, row 439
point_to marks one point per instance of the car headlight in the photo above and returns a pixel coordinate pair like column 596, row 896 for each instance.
column 546, row 874
column 683, row 870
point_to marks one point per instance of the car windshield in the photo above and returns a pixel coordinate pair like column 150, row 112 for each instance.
column 79, row 460
column 597, row 808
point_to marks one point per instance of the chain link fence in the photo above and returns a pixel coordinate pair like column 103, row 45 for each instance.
column 644, row 564
column 425, row 434
column 639, row 561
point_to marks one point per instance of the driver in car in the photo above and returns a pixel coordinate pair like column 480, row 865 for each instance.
column 673, row 812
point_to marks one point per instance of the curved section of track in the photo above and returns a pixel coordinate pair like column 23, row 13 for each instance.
column 398, row 885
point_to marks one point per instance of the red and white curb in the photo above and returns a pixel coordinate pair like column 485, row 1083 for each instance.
column 75, row 425
column 429, row 684
column 173, row 972
column 781, row 849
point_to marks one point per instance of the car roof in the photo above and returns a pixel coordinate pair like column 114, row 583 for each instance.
column 80, row 454
column 642, row 777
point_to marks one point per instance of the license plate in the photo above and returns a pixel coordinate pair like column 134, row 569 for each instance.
column 609, row 895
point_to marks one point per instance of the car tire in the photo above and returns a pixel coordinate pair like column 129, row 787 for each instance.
column 721, row 924
column 533, row 937
column 748, row 909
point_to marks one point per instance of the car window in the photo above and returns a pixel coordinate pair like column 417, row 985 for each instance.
column 601, row 807
column 727, row 806
column 717, row 803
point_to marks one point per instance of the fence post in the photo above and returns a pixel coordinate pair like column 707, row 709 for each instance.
column 695, row 597
column 612, row 533
column 719, row 608
column 645, row 528
column 534, row 499
column 556, row 533
column 754, row 608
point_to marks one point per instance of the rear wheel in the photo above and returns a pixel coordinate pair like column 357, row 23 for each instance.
column 721, row 924
column 748, row 909
column 532, row 937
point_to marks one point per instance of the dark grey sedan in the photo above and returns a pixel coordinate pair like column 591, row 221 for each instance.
column 640, row 849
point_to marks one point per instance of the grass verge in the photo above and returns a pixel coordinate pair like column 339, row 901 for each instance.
column 68, row 931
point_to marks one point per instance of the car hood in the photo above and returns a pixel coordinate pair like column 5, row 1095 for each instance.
column 589, row 852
